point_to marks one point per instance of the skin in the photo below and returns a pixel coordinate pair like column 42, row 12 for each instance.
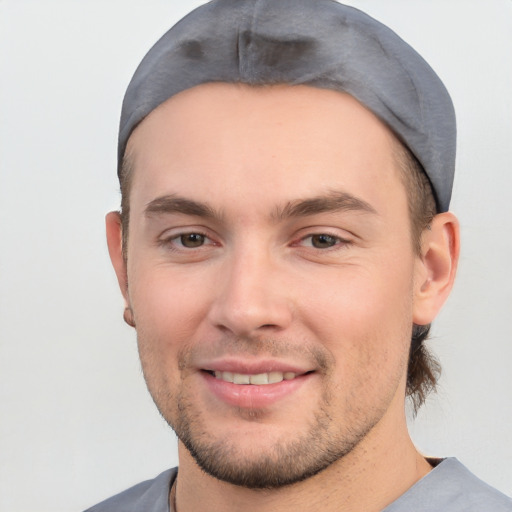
column 302, row 257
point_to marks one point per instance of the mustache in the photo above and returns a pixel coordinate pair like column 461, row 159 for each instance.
column 279, row 348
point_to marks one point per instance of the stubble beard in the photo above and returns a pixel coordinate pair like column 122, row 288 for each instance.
column 287, row 462
column 293, row 457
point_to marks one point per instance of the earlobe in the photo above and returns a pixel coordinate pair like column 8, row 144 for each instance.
column 436, row 267
column 115, row 249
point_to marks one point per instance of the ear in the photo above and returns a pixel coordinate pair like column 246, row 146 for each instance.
column 115, row 250
column 436, row 267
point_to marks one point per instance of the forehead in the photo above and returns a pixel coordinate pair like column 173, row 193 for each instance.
column 287, row 141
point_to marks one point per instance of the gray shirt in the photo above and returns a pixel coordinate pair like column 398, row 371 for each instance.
column 449, row 487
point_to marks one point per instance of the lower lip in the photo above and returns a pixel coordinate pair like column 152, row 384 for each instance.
column 250, row 396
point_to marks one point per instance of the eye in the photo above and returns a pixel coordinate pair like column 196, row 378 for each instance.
column 185, row 240
column 186, row 245
column 191, row 240
column 323, row 241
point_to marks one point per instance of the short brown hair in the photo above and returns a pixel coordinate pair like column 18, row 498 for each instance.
column 423, row 368
column 125, row 182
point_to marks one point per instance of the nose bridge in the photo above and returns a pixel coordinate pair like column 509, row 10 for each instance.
column 251, row 292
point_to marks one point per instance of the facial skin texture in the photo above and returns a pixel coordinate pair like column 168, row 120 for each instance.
column 301, row 261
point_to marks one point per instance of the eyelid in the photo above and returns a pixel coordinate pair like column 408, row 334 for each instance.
column 172, row 234
column 339, row 242
column 341, row 235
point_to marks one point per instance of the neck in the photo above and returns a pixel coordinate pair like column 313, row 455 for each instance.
column 381, row 468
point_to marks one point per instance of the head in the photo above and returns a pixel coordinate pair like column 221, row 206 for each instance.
column 278, row 223
column 423, row 367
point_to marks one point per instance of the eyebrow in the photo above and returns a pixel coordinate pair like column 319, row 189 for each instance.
column 176, row 204
column 332, row 202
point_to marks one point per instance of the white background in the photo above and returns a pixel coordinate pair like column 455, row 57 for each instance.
column 76, row 422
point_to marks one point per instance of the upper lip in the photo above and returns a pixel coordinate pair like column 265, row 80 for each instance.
column 252, row 367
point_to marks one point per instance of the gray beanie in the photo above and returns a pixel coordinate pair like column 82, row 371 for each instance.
column 321, row 43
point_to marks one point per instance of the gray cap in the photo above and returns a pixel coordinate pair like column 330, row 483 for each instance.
column 315, row 42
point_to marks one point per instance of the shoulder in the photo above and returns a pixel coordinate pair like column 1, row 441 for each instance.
column 451, row 487
column 150, row 496
column 479, row 495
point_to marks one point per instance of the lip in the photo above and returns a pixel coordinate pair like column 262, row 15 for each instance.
column 252, row 367
column 250, row 396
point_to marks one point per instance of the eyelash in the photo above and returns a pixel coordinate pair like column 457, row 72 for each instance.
column 170, row 242
column 339, row 242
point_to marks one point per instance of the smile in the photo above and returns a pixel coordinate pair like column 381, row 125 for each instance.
column 237, row 384
column 256, row 379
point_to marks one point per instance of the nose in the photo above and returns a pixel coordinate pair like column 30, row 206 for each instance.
column 252, row 297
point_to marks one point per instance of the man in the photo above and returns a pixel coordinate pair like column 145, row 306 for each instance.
column 284, row 243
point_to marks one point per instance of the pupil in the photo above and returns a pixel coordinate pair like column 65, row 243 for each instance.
column 323, row 241
column 192, row 240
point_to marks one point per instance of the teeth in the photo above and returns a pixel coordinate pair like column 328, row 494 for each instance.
column 261, row 378
column 258, row 379
column 274, row 377
column 227, row 376
column 239, row 378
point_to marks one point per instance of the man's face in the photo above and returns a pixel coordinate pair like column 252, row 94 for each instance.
column 270, row 242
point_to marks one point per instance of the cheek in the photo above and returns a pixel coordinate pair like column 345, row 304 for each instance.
column 361, row 296
column 168, row 308
column 167, row 311
column 364, row 318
